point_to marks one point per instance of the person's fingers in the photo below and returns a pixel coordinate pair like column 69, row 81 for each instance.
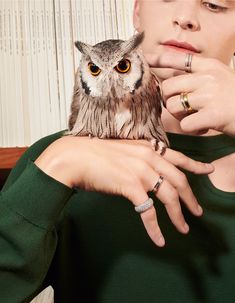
column 169, row 196
column 184, row 83
column 178, row 180
column 150, row 222
column 166, row 193
column 143, row 149
column 197, row 122
column 182, row 161
column 166, row 59
column 174, row 104
column 138, row 177
column 173, row 187
column 176, row 60
column 138, row 195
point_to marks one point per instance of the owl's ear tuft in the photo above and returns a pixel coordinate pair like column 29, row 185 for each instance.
column 137, row 39
column 132, row 43
column 83, row 47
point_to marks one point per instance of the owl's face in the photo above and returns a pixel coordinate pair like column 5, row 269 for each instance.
column 111, row 68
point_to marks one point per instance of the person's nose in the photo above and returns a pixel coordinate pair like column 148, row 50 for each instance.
column 186, row 16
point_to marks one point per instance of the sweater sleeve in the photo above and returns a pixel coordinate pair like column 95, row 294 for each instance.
column 29, row 208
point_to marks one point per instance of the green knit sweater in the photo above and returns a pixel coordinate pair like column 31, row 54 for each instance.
column 92, row 247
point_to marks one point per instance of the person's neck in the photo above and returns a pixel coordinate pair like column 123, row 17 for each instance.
column 172, row 125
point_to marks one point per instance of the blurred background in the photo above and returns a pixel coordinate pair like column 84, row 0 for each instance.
column 38, row 59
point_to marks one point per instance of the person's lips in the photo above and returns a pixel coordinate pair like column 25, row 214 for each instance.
column 180, row 46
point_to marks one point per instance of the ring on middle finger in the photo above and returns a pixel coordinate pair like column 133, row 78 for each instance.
column 184, row 101
column 158, row 184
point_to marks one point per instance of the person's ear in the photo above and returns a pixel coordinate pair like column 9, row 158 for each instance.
column 136, row 16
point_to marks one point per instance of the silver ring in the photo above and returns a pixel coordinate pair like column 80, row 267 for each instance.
column 158, row 184
column 188, row 63
column 144, row 206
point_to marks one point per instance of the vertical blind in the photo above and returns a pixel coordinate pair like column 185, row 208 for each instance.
column 38, row 59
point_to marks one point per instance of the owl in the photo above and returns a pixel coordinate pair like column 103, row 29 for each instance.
column 115, row 93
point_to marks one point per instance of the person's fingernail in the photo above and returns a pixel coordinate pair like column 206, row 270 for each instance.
column 161, row 241
column 186, row 227
column 199, row 209
column 209, row 165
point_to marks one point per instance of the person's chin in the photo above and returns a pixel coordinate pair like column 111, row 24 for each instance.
column 166, row 73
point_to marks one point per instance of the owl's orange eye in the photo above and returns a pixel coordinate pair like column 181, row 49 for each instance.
column 123, row 66
column 94, row 69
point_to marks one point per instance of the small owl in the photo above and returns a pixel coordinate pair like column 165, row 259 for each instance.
column 115, row 93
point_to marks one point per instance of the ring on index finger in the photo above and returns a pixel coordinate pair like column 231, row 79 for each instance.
column 188, row 63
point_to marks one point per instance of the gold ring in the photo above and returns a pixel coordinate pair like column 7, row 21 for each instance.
column 188, row 63
column 184, row 101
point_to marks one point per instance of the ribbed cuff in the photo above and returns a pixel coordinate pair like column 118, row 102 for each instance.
column 37, row 197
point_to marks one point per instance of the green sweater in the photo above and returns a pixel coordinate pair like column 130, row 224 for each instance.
column 92, row 247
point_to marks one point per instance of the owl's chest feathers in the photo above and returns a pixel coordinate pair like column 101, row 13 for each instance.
column 103, row 119
column 132, row 116
column 124, row 118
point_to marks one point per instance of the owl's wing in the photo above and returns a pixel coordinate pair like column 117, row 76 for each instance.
column 161, row 131
column 159, row 93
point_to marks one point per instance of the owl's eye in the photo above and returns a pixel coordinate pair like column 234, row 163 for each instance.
column 123, row 66
column 94, row 69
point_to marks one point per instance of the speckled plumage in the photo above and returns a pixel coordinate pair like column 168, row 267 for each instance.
column 113, row 105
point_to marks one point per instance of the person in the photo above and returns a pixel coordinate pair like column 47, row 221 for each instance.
column 65, row 219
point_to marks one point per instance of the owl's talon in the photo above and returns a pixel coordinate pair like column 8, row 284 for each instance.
column 161, row 147
column 154, row 143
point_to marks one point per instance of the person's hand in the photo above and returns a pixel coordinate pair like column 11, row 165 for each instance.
column 210, row 90
column 129, row 168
